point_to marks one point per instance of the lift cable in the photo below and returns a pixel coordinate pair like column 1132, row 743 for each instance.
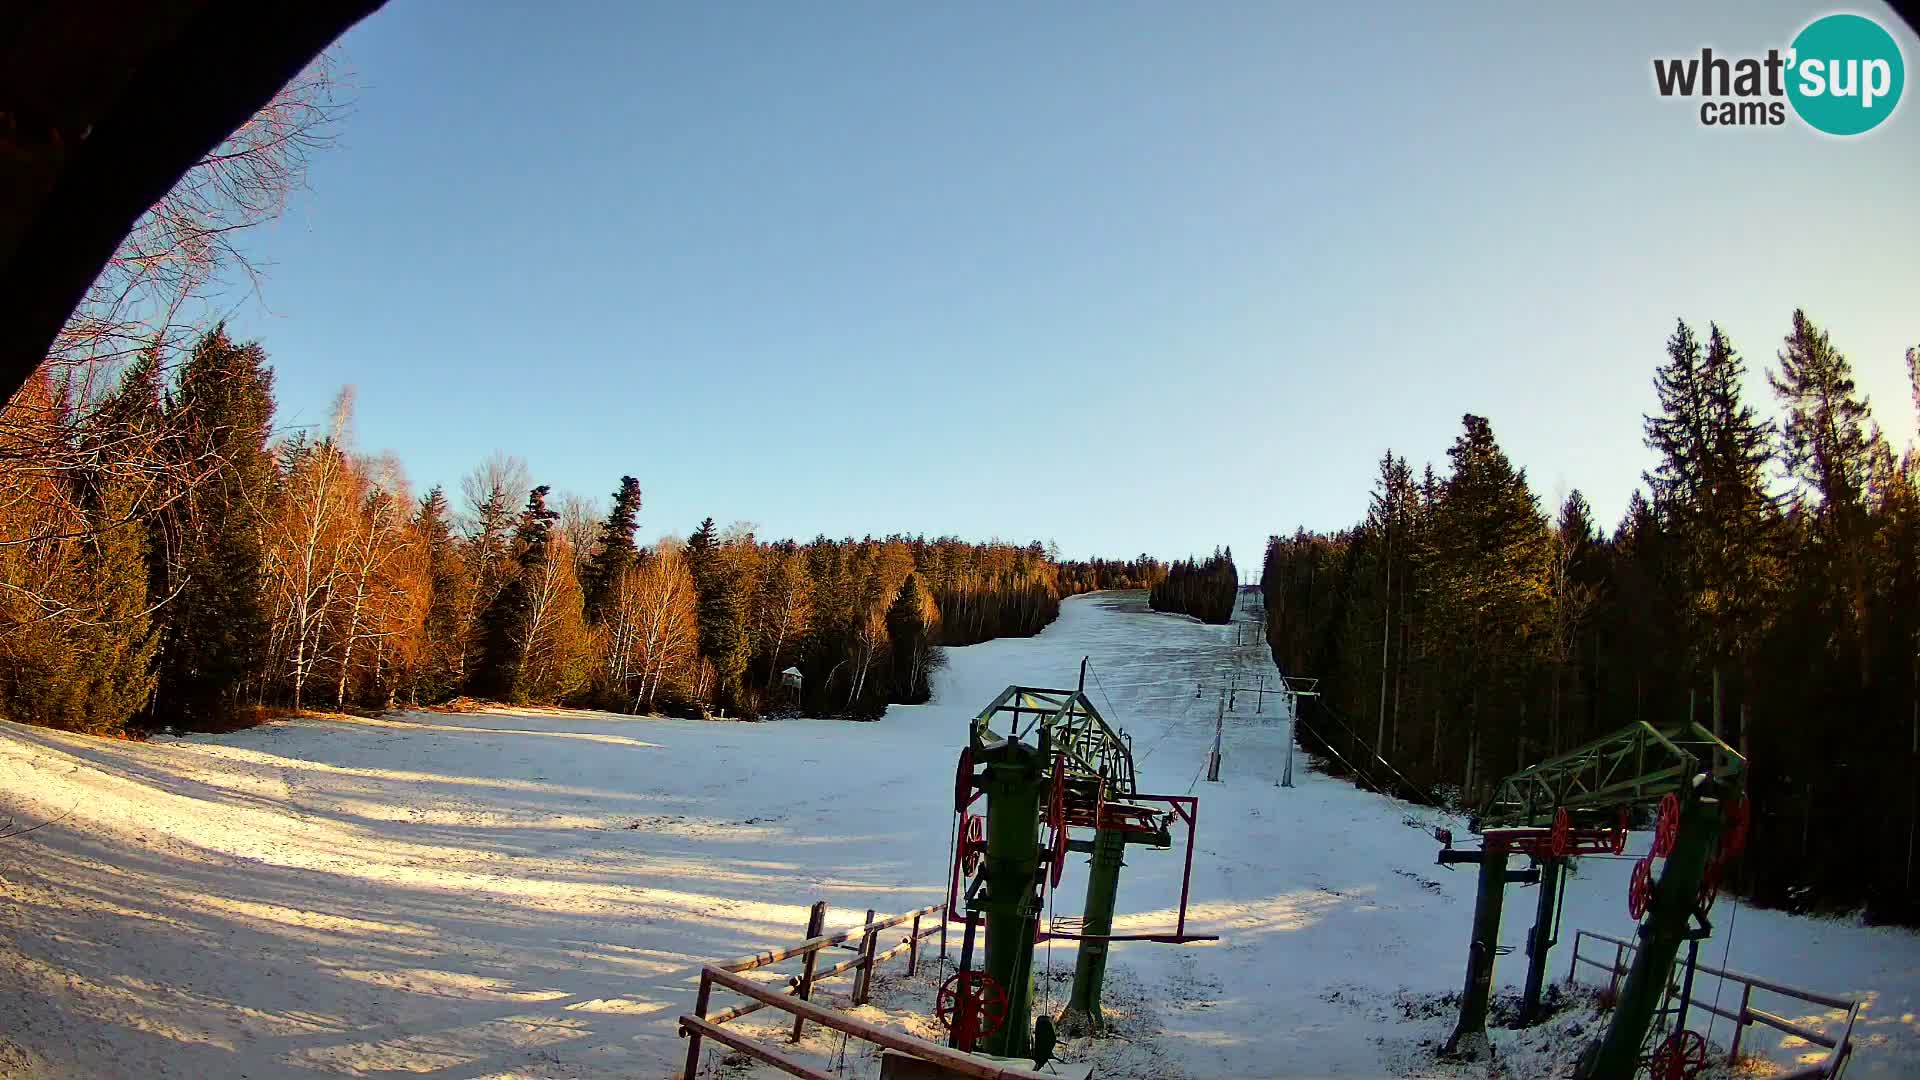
column 1423, row 794
column 1726, row 954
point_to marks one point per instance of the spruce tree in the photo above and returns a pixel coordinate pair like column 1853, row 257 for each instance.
column 910, row 633
column 443, row 660
column 215, row 627
column 503, row 626
column 615, row 551
column 1490, row 580
column 722, row 638
column 1827, row 444
column 1709, row 488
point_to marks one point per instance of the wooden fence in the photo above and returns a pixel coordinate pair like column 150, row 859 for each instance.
column 793, row 998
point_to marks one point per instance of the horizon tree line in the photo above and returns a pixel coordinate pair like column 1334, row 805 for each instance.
column 176, row 564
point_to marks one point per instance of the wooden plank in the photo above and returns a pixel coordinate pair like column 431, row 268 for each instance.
column 816, row 921
column 1781, row 1023
column 965, row 1064
column 752, row 1049
column 816, row 943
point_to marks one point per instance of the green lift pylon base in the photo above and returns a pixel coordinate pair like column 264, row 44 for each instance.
column 1495, row 876
column 1083, row 1016
column 1057, row 764
column 1577, row 803
column 1668, row 925
column 1009, row 901
column 1541, row 939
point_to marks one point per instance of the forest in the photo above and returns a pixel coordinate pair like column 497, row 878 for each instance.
column 1205, row 589
column 168, row 560
column 1763, row 582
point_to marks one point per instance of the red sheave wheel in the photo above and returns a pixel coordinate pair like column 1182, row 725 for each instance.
column 1640, row 888
column 1682, row 1056
column 973, row 842
column 1733, row 834
column 971, row 1004
column 1709, row 887
column 1562, row 837
column 1666, row 827
column 963, row 781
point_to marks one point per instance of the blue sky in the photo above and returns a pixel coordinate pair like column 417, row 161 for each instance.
column 1130, row 277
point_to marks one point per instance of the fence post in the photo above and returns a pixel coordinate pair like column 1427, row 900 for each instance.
column 1740, row 1025
column 1613, row 977
column 865, row 977
column 693, row 1037
column 913, row 948
column 816, row 925
column 1575, row 962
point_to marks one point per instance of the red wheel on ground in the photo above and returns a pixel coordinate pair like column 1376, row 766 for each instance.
column 963, row 781
column 1620, row 834
column 1709, row 887
column 1640, row 888
column 1562, row 837
column 973, row 842
column 1666, row 827
column 971, row 1004
column 1682, row 1056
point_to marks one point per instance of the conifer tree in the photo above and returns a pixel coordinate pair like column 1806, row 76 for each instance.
column 215, row 628
column 615, row 552
column 1828, row 446
column 1489, row 579
column 911, row 622
column 723, row 638
column 504, row 625
column 1710, row 486
column 443, row 660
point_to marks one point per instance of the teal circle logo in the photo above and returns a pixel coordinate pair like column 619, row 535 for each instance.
column 1845, row 74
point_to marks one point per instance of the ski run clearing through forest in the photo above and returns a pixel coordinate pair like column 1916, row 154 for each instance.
column 530, row 893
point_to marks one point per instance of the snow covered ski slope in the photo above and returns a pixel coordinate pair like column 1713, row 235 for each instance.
column 527, row 894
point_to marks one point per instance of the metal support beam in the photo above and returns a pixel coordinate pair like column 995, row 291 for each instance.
column 1666, row 926
column 1016, row 777
column 1083, row 1014
column 1480, row 952
column 1540, row 941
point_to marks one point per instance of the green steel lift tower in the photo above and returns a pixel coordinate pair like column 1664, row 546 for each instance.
column 1579, row 803
column 1056, row 767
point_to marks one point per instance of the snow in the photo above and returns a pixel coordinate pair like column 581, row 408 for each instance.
column 530, row 893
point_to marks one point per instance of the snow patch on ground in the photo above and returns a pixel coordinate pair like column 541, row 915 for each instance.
column 531, row 893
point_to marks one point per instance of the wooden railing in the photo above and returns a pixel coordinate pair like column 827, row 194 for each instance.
column 793, row 998
column 1745, row 1014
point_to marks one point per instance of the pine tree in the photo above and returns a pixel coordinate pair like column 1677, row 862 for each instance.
column 911, row 622
column 215, row 635
column 723, row 638
column 1828, row 446
column 1710, row 488
column 113, row 648
column 443, row 662
column 615, row 552
column 1489, row 580
column 504, row 625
